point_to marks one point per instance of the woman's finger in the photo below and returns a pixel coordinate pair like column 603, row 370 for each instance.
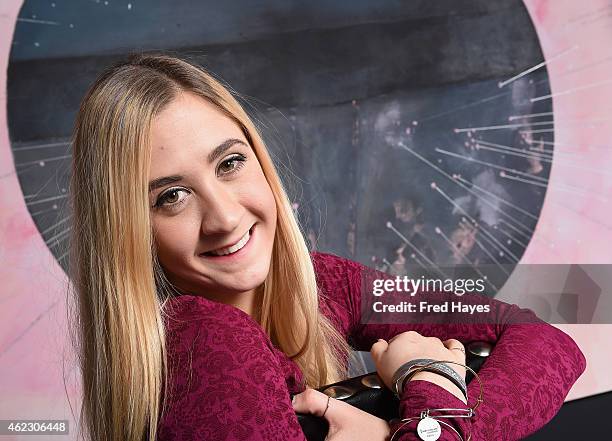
column 458, row 349
column 310, row 401
column 454, row 345
column 378, row 349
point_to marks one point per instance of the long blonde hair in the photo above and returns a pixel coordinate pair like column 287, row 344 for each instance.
column 120, row 288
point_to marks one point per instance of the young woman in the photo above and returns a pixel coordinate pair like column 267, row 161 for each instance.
column 201, row 312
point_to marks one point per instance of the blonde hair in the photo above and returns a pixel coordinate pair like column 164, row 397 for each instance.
column 120, row 288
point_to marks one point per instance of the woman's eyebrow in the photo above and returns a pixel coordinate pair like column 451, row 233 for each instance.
column 221, row 148
column 212, row 156
column 160, row 182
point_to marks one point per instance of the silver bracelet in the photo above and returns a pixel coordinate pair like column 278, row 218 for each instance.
column 404, row 370
column 461, row 413
column 430, row 425
column 451, row 374
column 430, row 420
column 430, row 365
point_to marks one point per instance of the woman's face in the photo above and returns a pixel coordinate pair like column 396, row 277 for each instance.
column 208, row 197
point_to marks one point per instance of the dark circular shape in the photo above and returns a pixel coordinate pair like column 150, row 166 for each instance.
column 372, row 381
column 407, row 113
column 480, row 348
column 339, row 392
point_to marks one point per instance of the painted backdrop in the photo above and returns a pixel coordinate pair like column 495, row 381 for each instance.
column 516, row 136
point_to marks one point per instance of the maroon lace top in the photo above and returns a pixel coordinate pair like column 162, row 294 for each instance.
column 229, row 382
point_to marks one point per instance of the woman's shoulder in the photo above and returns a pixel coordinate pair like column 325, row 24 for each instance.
column 338, row 272
column 330, row 264
column 339, row 283
column 332, row 272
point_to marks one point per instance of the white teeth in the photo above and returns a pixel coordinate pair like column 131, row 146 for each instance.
column 229, row 250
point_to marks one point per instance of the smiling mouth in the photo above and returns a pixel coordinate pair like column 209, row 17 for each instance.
column 232, row 249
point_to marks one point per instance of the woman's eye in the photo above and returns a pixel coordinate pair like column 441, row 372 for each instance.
column 232, row 164
column 171, row 197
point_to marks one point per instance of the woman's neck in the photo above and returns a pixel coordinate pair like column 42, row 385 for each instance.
column 249, row 302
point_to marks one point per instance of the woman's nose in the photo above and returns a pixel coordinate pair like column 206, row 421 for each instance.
column 221, row 212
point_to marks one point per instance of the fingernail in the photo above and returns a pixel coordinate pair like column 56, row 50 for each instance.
column 293, row 399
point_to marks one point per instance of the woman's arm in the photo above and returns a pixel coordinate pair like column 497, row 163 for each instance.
column 226, row 380
column 526, row 378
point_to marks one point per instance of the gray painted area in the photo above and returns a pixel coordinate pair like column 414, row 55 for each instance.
column 316, row 67
column 96, row 27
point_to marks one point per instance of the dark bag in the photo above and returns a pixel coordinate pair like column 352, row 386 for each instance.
column 368, row 393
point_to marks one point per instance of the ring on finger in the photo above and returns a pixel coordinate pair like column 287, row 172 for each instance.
column 326, row 407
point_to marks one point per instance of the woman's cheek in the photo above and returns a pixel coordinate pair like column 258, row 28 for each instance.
column 172, row 239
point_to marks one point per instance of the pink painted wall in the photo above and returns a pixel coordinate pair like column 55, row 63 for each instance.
column 33, row 333
column 576, row 227
column 572, row 229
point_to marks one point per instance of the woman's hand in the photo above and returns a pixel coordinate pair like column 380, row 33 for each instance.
column 411, row 345
column 346, row 422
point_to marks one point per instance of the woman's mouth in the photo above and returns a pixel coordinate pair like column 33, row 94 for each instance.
column 235, row 250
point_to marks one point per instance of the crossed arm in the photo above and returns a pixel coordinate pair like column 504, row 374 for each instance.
column 526, row 378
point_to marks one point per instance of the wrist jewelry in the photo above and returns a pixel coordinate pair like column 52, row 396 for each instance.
column 445, row 372
column 429, row 427
column 403, row 371
column 407, row 370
